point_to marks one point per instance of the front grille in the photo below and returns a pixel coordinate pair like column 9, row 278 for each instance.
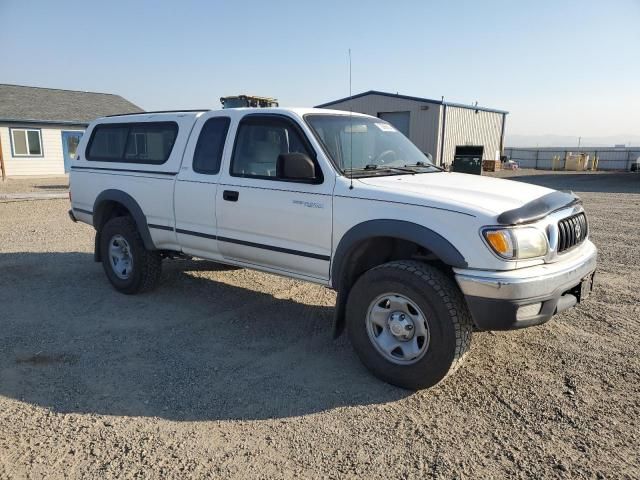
column 571, row 231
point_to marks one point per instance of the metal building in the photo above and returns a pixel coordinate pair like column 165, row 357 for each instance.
column 440, row 128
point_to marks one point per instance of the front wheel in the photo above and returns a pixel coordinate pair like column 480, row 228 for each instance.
column 408, row 323
column 129, row 266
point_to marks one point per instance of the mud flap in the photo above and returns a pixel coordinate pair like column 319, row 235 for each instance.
column 339, row 315
column 96, row 248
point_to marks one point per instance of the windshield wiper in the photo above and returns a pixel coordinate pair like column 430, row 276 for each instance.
column 425, row 165
column 373, row 169
column 373, row 166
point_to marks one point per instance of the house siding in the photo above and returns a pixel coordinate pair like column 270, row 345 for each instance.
column 52, row 160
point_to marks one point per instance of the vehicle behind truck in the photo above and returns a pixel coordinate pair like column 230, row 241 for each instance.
column 419, row 257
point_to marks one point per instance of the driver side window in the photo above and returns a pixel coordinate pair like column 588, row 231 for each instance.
column 260, row 141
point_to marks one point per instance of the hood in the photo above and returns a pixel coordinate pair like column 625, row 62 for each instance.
column 465, row 191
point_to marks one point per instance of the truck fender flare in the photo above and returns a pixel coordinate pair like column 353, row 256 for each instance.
column 130, row 204
column 423, row 236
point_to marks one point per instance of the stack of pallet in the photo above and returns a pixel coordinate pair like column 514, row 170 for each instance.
column 491, row 165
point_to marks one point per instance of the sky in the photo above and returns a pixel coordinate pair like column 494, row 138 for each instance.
column 568, row 68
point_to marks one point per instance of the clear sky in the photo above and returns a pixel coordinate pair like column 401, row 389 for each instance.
column 565, row 68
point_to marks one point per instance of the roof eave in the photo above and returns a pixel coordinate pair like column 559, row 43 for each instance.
column 384, row 94
column 474, row 107
column 44, row 122
column 409, row 97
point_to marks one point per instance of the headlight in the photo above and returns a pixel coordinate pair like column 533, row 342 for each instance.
column 517, row 243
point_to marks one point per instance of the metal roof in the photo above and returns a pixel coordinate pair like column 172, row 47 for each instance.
column 415, row 99
column 25, row 104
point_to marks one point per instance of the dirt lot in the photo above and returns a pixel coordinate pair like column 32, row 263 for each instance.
column 50, row 184
column 233, row 373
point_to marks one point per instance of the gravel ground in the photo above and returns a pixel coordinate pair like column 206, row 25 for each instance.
column 232, row 373
column 50, row 184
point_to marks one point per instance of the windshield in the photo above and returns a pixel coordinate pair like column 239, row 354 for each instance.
column 366, row 144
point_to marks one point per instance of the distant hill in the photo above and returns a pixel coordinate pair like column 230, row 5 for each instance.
column 515, row 140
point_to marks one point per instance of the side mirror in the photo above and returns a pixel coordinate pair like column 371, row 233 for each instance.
column 295, row 166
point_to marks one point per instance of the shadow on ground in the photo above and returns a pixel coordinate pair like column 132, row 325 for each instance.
column 53, row 187
column 195, row 349
column 585, row 182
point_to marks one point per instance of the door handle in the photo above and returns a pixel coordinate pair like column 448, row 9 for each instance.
column 230, row 195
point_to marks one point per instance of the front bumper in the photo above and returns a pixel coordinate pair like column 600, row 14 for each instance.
column 495, row 298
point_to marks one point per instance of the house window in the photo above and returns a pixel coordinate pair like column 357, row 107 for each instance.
column 139, row 144
column 27, row 142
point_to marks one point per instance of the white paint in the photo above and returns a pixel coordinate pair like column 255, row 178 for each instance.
column 294, row 216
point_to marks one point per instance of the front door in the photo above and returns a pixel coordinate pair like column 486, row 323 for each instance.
column 70, row 141
column 267, row 221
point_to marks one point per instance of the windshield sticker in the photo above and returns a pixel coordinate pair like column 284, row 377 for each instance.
column 385, row 127
column 355, row 129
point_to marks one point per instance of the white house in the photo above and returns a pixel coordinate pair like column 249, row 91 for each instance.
column 40, row 127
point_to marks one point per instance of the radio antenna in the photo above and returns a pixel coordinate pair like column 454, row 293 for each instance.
column 350, row 127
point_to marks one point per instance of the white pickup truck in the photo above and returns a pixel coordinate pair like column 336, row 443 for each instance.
column 419, row 257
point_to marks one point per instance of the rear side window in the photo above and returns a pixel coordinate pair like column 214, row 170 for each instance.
column 210, row 146
column 149, row 142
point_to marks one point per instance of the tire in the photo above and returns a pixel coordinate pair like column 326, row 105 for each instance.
column 393, row 299
column 141, row 272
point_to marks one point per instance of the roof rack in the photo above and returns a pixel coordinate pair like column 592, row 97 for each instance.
column 160, row 111
column 240, row 101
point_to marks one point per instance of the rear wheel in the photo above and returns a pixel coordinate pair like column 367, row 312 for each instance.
column 129, row 266
column 408, row 323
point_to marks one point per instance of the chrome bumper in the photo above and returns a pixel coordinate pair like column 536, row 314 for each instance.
column 531, row 282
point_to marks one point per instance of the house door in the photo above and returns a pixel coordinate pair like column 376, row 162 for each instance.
column 70, row 141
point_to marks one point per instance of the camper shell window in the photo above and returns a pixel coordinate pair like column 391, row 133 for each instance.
column 146, row 143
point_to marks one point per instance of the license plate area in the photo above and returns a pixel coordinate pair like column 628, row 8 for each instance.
column 585, row 287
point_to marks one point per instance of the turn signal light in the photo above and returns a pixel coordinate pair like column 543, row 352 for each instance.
column 500, row 241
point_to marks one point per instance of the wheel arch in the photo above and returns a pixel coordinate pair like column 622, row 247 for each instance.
column 374, row 242
column 111, row 203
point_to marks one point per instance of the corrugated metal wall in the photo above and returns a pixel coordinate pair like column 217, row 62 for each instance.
column 463, row 126
column 424, row 117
